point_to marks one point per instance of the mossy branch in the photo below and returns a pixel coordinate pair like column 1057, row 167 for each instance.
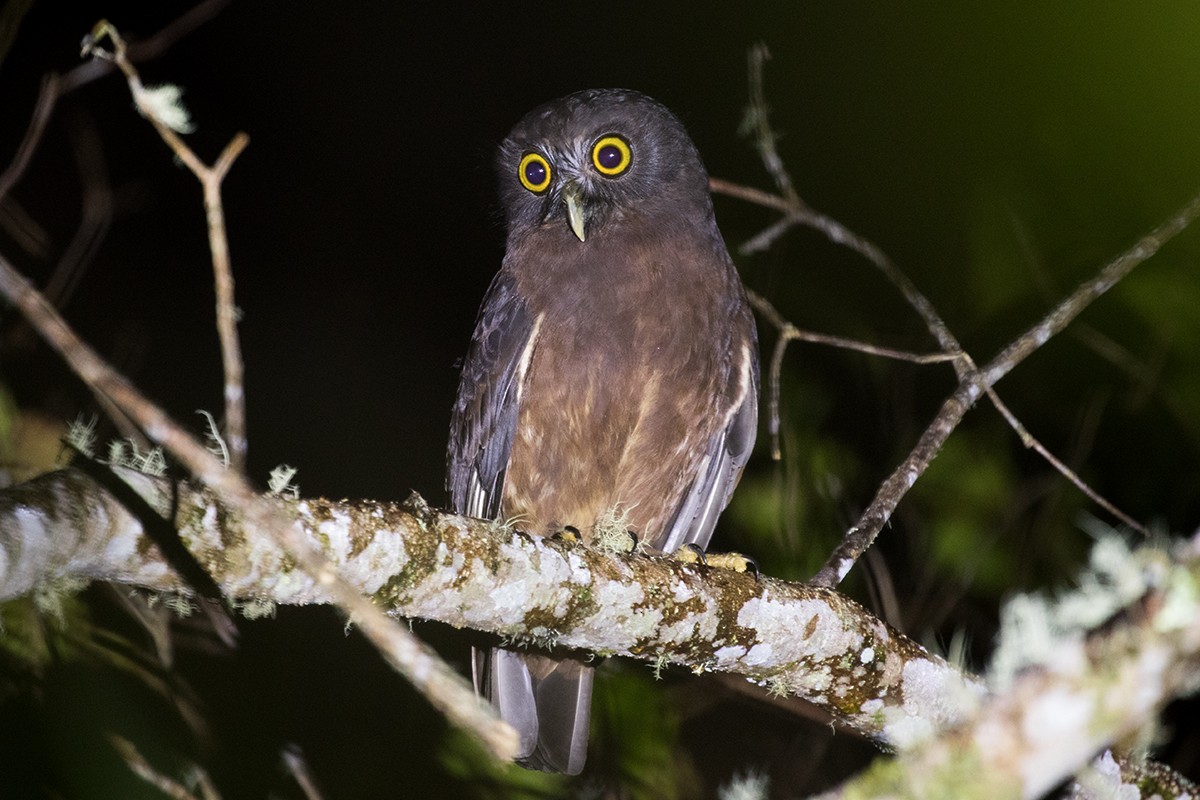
column 807, row 641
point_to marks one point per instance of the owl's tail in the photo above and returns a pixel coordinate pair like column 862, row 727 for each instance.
column 548, row 701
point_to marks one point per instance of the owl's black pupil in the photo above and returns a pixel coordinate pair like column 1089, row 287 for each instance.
column 535, row 173
column 609, row 156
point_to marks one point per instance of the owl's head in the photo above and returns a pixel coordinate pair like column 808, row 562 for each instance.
column 591, row 159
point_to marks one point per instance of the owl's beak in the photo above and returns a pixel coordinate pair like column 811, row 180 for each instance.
column 576, row 209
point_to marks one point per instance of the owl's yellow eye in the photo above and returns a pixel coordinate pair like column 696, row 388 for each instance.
column 534, row 172
column 611, row 155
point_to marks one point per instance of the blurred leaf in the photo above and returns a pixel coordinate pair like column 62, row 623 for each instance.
column 635, row 736
column 484, row 777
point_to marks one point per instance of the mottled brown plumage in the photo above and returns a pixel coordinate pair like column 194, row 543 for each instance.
column 613, row 367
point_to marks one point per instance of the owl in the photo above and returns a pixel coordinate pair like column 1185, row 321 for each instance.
column 612, row 378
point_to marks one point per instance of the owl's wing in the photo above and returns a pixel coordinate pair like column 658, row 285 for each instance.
column 489, row 395
column 724, row 458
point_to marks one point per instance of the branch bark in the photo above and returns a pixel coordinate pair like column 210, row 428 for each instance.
column 791, row 638
column 1053, row 713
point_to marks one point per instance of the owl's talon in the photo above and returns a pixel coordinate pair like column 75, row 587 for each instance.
column 690, row 553
column 568, row 535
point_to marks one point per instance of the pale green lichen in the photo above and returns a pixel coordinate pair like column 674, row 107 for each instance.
column 126, row 453
column 81, row 436
column 751, row 785
column 214, row 442
column 165, row 104
column 1033, row 629
column 256, row 608
column 611, row 532
column 661, row 662
column 778, row 686
column 279, row 482
column 50, row 596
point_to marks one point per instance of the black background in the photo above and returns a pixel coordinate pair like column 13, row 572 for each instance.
column 363, row 231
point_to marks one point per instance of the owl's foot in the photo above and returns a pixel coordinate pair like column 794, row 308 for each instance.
column 569, row 535
column 517, row 533
column 694, row 554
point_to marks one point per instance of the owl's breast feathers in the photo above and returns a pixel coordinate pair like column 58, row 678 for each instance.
column 644, row 352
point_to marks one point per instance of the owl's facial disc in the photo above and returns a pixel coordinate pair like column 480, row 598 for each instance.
column 577, row 207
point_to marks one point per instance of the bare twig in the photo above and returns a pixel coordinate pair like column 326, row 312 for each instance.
column 757, row 122
column 1032, row 443
column 838, row 233
column 55, row 86
column 142, row 768
column 150, row 105
column 47, row 98
column 297, row 766
column 860, row 537
column 444, row 688
column 796, row 211
column 790, row 333
column 149, row 48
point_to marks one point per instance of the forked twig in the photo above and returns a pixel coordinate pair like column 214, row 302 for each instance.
column 445, row 689
column 790, row 333
column 860, row 537
column 797, row 212
column 160, row 106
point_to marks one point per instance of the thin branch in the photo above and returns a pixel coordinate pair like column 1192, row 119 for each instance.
column 445, row 689
column 47, row 98
column 860, row 537
column 1031, row 442
column 764, row 137
column 764, row 307
column 795, row 210
column 142, row 768
column 149, row 48
column 297, row 766
column 54, row 86
column 151, row 106
column 923, row 453
column 790, row 333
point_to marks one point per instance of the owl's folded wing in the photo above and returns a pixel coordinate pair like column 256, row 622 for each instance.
column 485, row 413
column 724, row 458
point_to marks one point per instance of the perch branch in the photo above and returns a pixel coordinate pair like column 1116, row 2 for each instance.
column 796, row 639
column 1049, row 712
column 1088, row 691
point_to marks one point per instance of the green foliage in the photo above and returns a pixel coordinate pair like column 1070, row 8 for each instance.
column 635, row 736
column 484, row 777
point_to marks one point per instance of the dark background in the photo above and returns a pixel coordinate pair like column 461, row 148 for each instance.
column 998, row 155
